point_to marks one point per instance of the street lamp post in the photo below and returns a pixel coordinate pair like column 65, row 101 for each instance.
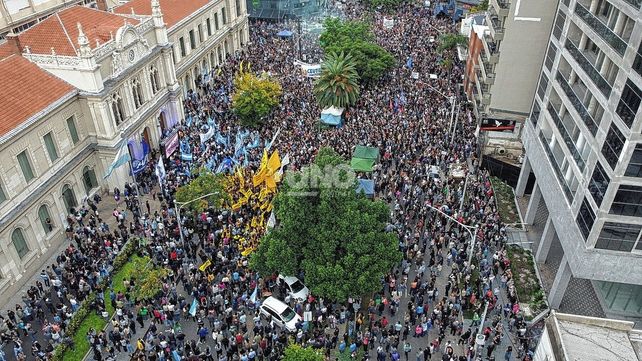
column 473, row 235
column 177, row 207
column 452, row 99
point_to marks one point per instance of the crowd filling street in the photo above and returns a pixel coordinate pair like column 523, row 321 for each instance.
column 430, row 307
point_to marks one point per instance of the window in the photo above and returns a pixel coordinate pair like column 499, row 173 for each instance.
column 223, row 16
column 25, row 166
column 71, row 124
column 550, row 55
column 238, row 8
column 192, row 39
column 181, row 42
column 613, row 145
column 154, row 79
column 209, row 27
column 137, row 93
column 634, row 169
column 89, row 179
column 200, row 33
column 51, row 147
column 117, row 108
column 45, row 219
column 69, row 198
column 629, row 102
column 559, row 24
column 535, row 113
column 618, row 236
column 627, row 201
column 216, row 21
column 637, row 63
column 543, row 84
column 3, row 195
column 585, row 218
column 598, row 184
column 19, row 243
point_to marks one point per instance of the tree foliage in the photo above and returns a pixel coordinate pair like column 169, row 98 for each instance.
column 385, row 4
column 206, row 182
column 355, row 38
column 483, row 6
column 450, row 41
column 338, row 84
column 335, row 236
column 295, row 352
column 254, row 97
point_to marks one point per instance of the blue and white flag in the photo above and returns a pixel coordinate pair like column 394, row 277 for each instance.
column 409, row 62
column 122, row 157
column 255, row 294
column 160, row 170
column 192, row 308
column 186, row 151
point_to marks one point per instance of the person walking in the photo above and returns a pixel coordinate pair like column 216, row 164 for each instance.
column 509, row 353
column 406, row 349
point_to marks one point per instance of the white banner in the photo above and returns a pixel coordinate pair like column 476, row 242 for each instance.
column 388, row 23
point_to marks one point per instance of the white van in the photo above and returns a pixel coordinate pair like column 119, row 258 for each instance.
column 282, row 315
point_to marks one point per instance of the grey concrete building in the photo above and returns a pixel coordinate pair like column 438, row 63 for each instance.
column 584, row 145
column 500, row 77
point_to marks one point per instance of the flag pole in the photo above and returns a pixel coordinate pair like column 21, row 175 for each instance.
column 131, row 167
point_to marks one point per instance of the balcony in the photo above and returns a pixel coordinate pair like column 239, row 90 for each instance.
column 496, row 27
column 501, row 7
column 602, row 30
column 587, row 65
column 487, row 76
column 577, row 104
column 570, row 143
column 491, row 49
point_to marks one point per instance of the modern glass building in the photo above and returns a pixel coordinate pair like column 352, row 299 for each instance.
column 583, row 143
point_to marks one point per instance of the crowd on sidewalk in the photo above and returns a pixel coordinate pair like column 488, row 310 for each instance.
column 420, row 307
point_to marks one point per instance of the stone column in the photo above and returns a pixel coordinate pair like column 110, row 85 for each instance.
column 523, row 177
column 545, row 242
column 560, row 284
column 533, row 204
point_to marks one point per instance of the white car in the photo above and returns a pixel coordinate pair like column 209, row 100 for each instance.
column 282, row 315
column 296, row 288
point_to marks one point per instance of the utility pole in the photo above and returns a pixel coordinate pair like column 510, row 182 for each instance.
column 298, row 20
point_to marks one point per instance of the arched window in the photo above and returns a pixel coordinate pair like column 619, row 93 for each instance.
column 89, row 179
column 117, row 108
column 154, row 79
column 137, row 94
column 19, row 243
column 45, row 219
column 69, row 198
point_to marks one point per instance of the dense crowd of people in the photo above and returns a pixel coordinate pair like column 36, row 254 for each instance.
column 420, row 307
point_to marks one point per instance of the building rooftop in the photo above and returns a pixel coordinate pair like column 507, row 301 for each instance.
column 60, row 30
column 19, row 93
column 592, row 338
column 173, row 10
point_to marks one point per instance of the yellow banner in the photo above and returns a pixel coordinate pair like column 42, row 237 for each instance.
column 204, row 266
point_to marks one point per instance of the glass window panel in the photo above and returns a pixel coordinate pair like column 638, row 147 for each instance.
column 634, row 169
column 543, row 84
column 71, row 124
column 559, row 23
column 585, row 218
column 51, row 147
column 19, row 243
column 550, row 55
column 25, row 166
column 613, row 145
column 3, row 195
column 629, row 103
column 627, row 201
column 599, row 184
column 618, row 236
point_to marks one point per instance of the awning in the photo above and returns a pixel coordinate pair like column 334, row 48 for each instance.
column 361, row 164
column 366, row 186
column 364, row 152
column 284, row 33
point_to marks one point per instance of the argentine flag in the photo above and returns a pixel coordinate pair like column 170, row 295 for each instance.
column 122, row 157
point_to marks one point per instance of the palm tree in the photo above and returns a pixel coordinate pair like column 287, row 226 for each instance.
column 338, row 84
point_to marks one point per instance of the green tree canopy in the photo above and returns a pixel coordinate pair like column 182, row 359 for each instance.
column 254, row 97
column 205, row 183
column 450, row 41
column 385, row 4
column 338, row 84
column 334, row 235
column 355, row 38
column 295, row 352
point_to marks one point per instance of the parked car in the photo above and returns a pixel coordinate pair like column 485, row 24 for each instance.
column 296, row 288
column 282, row 315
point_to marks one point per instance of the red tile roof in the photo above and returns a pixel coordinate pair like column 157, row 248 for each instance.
column 173, row 10
column 60, row 31
column 26, row 89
